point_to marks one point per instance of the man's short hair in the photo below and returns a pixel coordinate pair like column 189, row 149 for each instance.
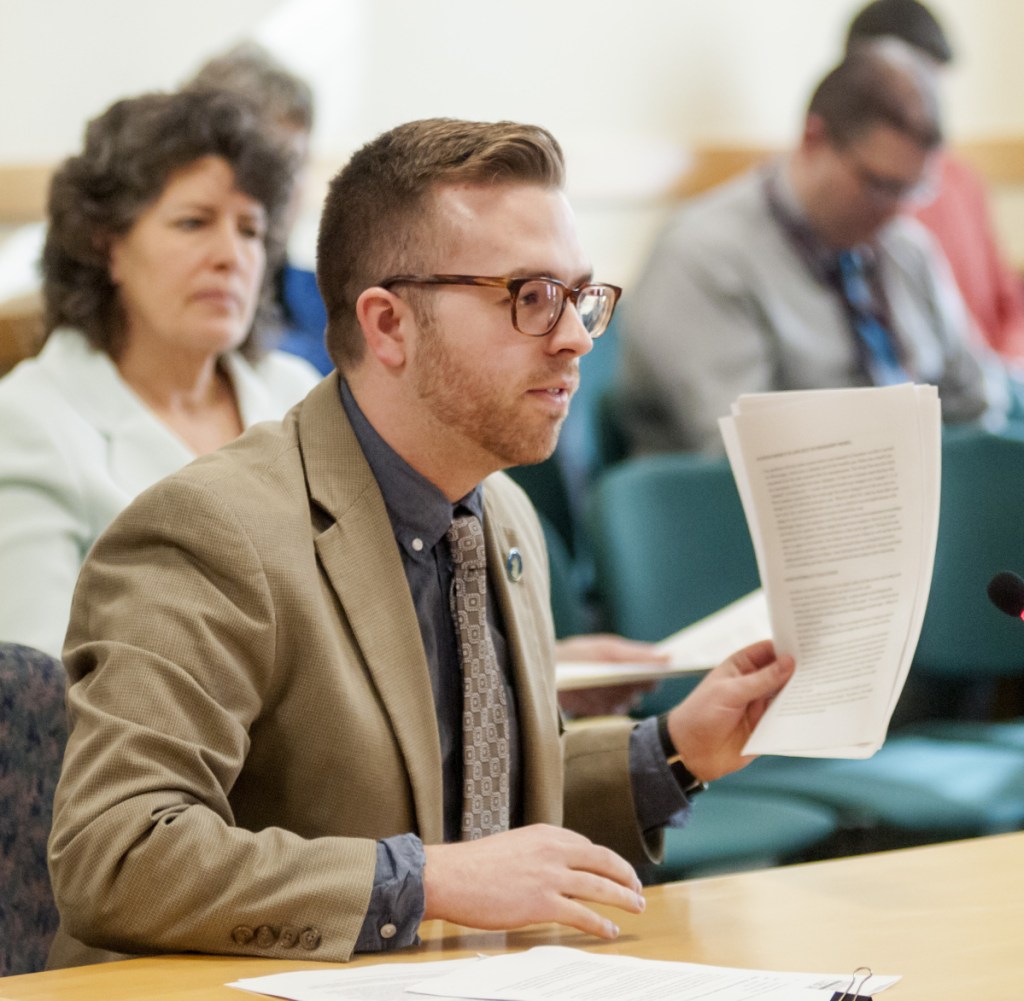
column 249, row 70
column 378, row 215
column 907, row 20
column 883, row 82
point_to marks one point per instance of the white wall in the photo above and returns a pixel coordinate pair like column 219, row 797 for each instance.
column 625, row 85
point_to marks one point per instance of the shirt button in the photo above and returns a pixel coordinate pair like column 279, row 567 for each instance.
column 417, row 544
column 388, row 931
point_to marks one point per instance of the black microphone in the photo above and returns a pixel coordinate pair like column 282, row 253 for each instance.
column 1007, row 593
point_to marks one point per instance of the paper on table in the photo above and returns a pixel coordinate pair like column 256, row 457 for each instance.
column 841, row 492
column 558, row 973
column 384, row 982
column 696, row 648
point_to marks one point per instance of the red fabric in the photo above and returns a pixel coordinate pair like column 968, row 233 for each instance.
column 959, row 217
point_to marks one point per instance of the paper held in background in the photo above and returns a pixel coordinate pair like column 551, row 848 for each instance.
column 841, row 494
column 698, row 647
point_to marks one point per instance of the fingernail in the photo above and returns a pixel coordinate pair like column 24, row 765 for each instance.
column 641, row 901
column 613, row 930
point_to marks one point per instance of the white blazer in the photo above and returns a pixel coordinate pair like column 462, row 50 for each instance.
column 76, row 445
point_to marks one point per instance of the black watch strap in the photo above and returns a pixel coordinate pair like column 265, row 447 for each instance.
column 688, row 782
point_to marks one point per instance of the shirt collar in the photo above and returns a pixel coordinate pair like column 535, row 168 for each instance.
column 420, row 513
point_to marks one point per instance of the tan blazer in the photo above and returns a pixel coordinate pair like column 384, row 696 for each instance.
column 251, row 706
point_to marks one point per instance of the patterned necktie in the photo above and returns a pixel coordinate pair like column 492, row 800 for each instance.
column 883, row 364
column 485, row 754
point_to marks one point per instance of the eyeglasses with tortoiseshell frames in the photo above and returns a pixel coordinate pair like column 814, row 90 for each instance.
column 537, row 302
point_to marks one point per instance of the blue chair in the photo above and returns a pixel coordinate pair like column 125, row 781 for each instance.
column 670, row 542
column 736, row 829
column 33, row 732
column 544, row 483
column 568, row 607
column 672, row 546
column 965, row 641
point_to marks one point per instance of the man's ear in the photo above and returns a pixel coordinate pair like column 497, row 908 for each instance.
column 815, row 132
column 385, row 320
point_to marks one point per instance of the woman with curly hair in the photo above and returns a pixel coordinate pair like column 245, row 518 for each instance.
column 161, row 234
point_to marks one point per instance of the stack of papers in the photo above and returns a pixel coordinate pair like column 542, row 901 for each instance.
column 841, row 494
column 557, row 973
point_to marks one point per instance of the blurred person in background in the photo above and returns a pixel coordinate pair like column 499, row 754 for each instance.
column 285, row 101
column 157, row 307
column 808, row 273
column 957, row 211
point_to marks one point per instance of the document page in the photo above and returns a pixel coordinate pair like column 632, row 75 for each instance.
column 384, row 982
column 559, row 973
column 841, row 494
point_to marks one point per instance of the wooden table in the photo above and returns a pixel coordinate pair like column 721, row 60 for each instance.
column 949, row 918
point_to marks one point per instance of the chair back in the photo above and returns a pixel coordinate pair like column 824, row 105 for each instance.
column 981, row 532
column 544, row 483
column 671, row 543
column 568, row 606
column 611, row 437
column 33, row 732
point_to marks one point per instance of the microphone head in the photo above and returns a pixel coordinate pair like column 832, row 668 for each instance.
column 1006, row 591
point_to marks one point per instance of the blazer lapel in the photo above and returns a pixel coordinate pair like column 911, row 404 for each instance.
column 362, row 563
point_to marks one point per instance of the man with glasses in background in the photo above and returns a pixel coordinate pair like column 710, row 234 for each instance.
column 311, row 676
column 806, row 273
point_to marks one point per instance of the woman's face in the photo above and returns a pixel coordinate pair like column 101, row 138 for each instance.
column 188, row 272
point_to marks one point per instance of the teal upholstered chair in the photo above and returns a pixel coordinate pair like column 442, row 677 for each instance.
column 670, row 543
column 33, row 731
column 662, row 564
column 732, row 829
column 672, row 546
column 545, row 485
column 567, row 603
column 965, row 640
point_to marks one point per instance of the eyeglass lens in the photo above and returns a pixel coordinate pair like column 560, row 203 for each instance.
column 539, row 305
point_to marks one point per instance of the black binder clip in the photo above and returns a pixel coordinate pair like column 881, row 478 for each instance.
column 854, row 990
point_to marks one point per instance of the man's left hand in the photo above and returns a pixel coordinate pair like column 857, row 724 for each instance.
column 710, row 727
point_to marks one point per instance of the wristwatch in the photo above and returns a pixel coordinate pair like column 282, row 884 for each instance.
column 688, row 782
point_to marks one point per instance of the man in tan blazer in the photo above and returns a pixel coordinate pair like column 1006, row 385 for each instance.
column 266, row 701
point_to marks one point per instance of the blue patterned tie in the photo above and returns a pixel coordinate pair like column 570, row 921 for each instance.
column 485, row 751
column 880, row 356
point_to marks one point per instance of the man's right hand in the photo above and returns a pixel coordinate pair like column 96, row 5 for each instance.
column 526, row 876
